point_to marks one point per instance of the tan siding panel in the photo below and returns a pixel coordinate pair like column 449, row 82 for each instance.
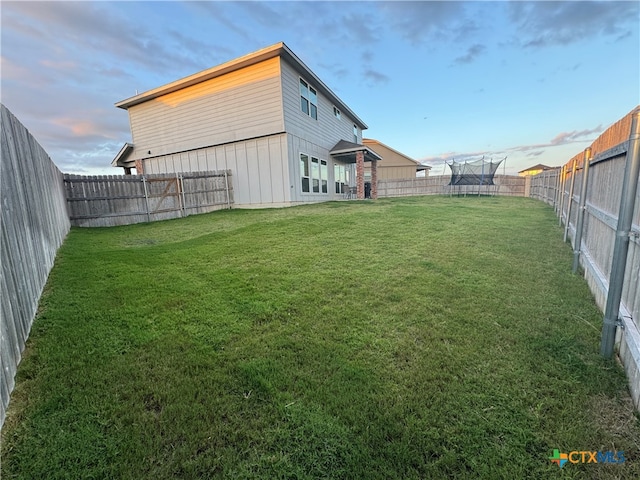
column 236, row 106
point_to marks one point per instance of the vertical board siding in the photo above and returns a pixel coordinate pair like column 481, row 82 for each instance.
column 34, row 223
column 603, row 196
column 259, row 166
column 110, row 200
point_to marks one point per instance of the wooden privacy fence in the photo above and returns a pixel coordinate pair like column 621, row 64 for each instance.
column 590, row 220
column 34, row 224
column 508, row 185
column 109, row 200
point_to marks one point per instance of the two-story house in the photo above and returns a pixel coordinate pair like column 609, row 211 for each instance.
column 285, row 136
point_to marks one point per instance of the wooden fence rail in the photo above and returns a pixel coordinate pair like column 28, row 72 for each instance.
column 110, row 200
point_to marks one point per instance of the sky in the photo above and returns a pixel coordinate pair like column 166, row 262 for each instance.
column 535, row 82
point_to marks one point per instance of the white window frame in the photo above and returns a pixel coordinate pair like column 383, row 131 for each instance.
column 305, row 98
column 305, row 166
column 317, row 177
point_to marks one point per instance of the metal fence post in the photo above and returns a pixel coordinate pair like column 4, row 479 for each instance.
column 556, row 190
column 561, row 193
column 621, row 245
column 573, row 182
column 577, row 241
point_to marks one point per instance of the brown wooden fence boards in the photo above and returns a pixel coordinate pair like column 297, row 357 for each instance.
column 34, row 223
column 110, row 200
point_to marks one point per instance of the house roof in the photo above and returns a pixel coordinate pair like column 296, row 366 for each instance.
column 120, row 159
column 419, row 167
column 346, row 151
column 277, row 50
column 537, row 167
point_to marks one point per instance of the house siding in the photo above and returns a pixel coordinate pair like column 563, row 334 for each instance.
column 394, row 166
column 394, row 172
column 260, row 168
column 327, row 130
column 311, row 136
column 296, row 146
column 234, row 107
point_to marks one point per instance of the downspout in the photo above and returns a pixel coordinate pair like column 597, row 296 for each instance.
column 621, row 245
column 577, row 241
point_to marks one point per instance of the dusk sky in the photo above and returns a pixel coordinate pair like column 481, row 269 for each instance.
column 534, row 81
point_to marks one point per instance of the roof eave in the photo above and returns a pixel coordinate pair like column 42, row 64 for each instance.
column 373, row 140
column 277, row 50
column 204, row 75
column 347, row 151
column 122, row 155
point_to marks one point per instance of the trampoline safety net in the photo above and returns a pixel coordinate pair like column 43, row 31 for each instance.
column 477, row 172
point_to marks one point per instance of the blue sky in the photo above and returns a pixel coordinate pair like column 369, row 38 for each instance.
column 534, row 81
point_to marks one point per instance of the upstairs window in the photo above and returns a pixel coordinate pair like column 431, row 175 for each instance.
column 336, row 113
column 355, row 134
column 308, row 100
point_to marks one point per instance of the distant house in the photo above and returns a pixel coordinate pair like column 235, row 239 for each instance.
column 396, row 165
column 536, row 169
column 286, row 137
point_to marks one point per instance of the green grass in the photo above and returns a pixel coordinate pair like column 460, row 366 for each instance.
column 427, row 337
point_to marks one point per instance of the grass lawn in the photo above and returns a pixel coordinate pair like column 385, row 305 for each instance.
column 427, row 337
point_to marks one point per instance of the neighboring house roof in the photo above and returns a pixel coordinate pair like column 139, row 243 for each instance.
column 277, row 50
column 346, row 151
column 372, row 142
column 537, row 167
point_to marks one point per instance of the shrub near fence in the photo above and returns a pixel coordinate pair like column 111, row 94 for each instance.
column 34, row 223
column 600, row 205
column 109, row 200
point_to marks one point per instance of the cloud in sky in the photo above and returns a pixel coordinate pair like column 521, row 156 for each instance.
column 419, row 22
column 575, row 136
column 376, row 78
column 532, row 150
column 542, row 24
column 473, row 52
column 64, row 64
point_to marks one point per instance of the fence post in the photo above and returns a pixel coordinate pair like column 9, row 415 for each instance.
column 573, row 182
column 556, row 179
column 561, row 193
column 184, row 200
column 146, row 197
column 226, row 184
column 621, row 245
column 577, row 241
